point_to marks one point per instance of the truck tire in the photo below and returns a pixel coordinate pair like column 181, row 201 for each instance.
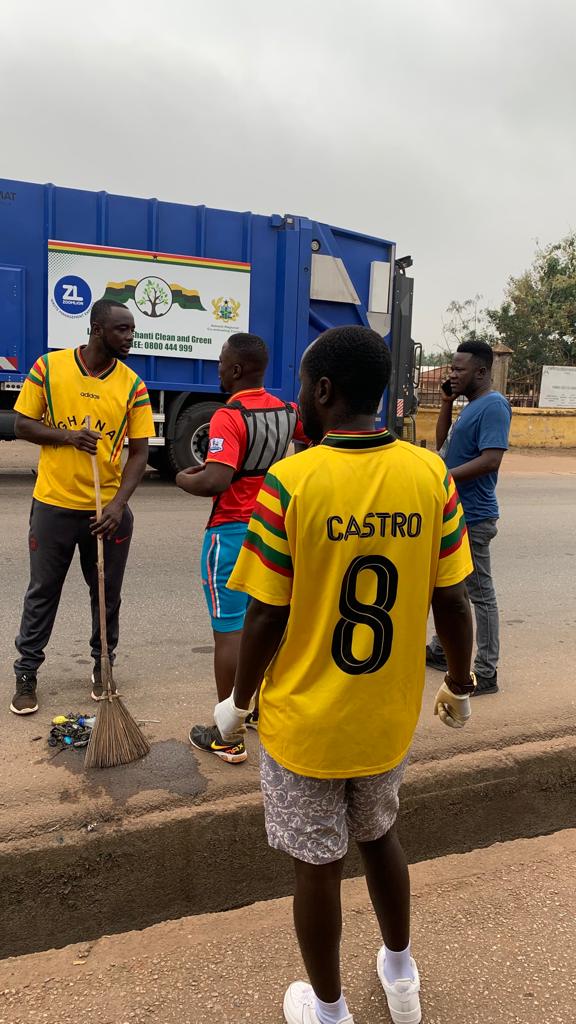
column 189, row 445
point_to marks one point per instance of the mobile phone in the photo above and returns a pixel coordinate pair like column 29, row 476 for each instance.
column 446, row 387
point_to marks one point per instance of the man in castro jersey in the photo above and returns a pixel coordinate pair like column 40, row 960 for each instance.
column 349, row 544
column 247, row 436
column 64, row 392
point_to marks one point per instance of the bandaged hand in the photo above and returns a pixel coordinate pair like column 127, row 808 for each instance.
column 230, row 719
column 453, row 709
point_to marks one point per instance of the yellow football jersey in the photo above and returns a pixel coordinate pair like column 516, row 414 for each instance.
column 62, row 392
column 353, row 534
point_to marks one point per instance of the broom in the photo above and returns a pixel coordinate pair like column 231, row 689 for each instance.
column 116, row 738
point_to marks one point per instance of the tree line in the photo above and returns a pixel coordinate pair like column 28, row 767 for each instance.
column 537, row 318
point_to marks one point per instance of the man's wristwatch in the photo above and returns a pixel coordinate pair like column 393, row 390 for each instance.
column 460, row 689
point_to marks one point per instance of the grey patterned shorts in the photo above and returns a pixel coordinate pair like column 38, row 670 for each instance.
column 311, row 819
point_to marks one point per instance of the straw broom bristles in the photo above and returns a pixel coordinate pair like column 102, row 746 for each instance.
column 116, row 738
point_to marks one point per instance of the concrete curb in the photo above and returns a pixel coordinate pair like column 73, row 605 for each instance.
column 214, row 857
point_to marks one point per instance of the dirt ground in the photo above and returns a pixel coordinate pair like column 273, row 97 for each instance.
column 493, row 933
column 539, row 461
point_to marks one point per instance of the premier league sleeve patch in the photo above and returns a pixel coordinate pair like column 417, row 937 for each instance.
column 216, row 445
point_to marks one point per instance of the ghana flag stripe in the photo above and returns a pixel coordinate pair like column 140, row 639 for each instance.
column 38, row 372
column 275, row 489
column 450, row 515
column 271, row 558
column 269, row 565
column 34, row 378
column 455, row 546
column 139, row 393
column 137, row 385
column 48, row 391
column 270, row 518
column 260, row 518
column 118, row 447
column 119, row 435
column 177, row 259
column 453, row 540
column 451, row 505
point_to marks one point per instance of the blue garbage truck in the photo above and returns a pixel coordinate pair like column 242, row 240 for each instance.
column 192, row 276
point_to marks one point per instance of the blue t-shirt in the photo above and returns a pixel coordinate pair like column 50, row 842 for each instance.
column 483, row 423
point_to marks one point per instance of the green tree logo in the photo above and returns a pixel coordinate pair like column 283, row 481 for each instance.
column 153, row 296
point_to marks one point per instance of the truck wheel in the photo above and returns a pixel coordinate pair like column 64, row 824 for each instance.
column 189, row 446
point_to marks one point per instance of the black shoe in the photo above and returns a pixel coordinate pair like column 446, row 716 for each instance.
column 24, row 700
column 485, row 684
column 251, row 720
column 437, row 661
column 207, row 737
column 97, row 688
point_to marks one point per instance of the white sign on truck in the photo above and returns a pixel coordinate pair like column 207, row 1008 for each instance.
column 558, row 387
column 183, row 306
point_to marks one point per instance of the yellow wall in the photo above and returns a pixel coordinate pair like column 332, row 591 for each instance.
column 531, row 428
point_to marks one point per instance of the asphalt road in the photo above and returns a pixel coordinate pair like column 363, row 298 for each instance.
column 164, row 664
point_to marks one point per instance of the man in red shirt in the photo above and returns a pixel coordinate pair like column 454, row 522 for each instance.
column 247, row 436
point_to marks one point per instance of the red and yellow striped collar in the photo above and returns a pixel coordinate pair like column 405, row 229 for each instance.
column 358, row 439
column 86, row 372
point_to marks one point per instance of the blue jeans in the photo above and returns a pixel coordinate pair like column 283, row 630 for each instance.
column 483, row 596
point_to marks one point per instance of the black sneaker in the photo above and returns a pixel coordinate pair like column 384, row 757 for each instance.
column 207, row 737
column 24, row 700
column 485, row 684
column 437, row 661
column 97, row 688
column 251, row 720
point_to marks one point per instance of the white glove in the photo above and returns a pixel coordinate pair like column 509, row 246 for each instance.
column 230, row 719
column 453, row 709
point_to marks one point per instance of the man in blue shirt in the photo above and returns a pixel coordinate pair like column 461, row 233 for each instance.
column 472, row 448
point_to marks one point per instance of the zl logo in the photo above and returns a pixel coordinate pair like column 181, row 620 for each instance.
column 72, row 295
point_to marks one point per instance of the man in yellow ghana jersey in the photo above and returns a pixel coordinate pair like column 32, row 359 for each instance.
column 63, row 392
column 349, row 544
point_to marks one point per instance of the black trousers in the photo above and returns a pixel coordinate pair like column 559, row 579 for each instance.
column 54, row 535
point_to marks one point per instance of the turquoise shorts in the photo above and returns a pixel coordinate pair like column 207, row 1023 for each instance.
column 220, row 550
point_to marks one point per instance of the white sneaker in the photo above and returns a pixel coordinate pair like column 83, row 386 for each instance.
column 402, row 996
column 300, row 1005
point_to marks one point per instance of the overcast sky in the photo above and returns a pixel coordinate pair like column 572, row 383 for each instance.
column 447, row 126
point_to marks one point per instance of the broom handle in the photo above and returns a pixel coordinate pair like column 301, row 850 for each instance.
column 100, row 549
